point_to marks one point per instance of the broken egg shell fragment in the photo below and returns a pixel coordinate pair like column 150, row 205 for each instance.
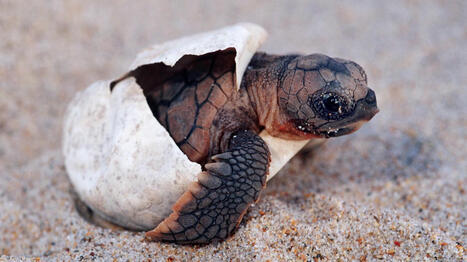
column 120, row 160
column 246, row 38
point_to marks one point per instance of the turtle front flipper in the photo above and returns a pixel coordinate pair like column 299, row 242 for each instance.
column 212, row 208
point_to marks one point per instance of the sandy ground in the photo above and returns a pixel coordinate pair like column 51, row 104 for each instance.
column 395, row 190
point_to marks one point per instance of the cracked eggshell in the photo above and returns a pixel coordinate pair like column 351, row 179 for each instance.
column 121, row 161
column 246, row 38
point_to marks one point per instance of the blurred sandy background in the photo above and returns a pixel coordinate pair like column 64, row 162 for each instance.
column 394, row 190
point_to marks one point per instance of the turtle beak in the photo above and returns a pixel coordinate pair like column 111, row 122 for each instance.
column 368, row 107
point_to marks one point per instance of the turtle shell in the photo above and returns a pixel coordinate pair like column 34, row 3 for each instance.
column 185, row 97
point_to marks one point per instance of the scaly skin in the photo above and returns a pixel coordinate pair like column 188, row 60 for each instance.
column 292, row 97
column 213, row 207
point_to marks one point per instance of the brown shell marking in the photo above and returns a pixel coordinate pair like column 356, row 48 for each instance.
column 185, row 97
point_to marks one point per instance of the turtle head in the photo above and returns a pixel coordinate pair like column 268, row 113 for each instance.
column 320, row 96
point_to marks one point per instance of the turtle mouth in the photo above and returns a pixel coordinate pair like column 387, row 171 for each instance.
column 335, row 132
column 328, row 130
column 344, row 127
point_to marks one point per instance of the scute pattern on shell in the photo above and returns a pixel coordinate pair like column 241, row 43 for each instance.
column 186, row 97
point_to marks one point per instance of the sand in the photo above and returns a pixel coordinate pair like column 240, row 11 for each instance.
column 395, row 190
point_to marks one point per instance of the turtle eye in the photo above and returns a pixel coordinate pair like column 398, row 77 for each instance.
column 332, row 103
column 329, row 105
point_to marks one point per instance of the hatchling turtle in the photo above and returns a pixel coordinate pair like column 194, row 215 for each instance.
column 217, row 119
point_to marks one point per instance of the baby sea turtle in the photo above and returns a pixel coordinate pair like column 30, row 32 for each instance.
column 294, row 97
column 183, row 144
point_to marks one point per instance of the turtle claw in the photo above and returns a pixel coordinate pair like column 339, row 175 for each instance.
column 212, row 208
column 223, row 156
column 219, row 168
